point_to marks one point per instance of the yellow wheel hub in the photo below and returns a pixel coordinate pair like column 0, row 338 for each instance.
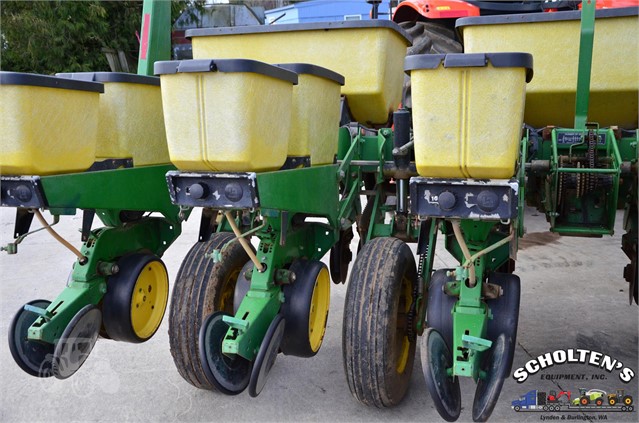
column 401, row 339
column 318, row 313
column 149, row 299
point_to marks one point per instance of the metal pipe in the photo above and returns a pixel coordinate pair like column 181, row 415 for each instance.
column 462, row 244
column 389, row 167
column 404, row 148
column 586, row 170
column 61, row 240
column 489, row 249
column 402, row 195
column 364, row 162
column 245, row 244
column 401, row 119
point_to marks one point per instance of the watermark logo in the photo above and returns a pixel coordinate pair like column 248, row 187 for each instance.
column 588, row 357
column 592, row 404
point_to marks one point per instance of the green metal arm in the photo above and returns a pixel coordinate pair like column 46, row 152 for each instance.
column 155, row 35
column 88, row 280
column 138, row 188
column 585, row 63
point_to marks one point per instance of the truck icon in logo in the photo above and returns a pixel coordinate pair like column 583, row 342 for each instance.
column 590, row 400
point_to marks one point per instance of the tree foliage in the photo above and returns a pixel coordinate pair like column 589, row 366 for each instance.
column 67, row 36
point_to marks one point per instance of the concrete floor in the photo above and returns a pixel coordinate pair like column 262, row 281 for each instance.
column 573, row 296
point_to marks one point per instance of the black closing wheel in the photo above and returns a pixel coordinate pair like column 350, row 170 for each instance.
column 266, row 355
column 495, row 365
column 440, row 306
column 77, row 341
column 201, row 288
column 436, row 360
column 377, row 349
column 305, row 308
column 136, row 298
column 229, row 375
column 33, row 357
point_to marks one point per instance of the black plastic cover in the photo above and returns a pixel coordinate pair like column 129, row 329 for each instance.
column 22, row 191
column 222, row 191
column 46, row 81
column 130, row 78
column 308, row 69
column 457, row 60
column 464, row 198
column 570, row 15
column 314, row 26
column 223, row 65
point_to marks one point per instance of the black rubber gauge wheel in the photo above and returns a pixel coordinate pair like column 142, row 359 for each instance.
column 305, row 308
column 229, row 375
column 136, row 298
column 35, row 358
column 444, row 390
column 440, row 306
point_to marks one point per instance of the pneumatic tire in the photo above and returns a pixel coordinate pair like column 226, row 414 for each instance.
column 201, row 288
column 377, row 351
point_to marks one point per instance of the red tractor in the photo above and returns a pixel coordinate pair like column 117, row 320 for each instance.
column 431, row 23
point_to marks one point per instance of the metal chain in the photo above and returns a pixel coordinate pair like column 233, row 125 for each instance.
column 411, row 331
column 592, row 158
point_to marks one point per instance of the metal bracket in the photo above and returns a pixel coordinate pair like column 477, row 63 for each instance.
column 22, row 191
column 111, row 164
column 42, row 312
column 208, row 224
column 295, row 162
column 24, row 217
column 87, row 222
column 235, row 323
column 475, row 343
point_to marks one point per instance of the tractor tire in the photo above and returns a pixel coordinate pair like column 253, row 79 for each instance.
column 428, row 37
column 377, row 351
column 201, row 288
column 612, row 401
column 599, row 402
column 584, row 400
column 627, row 400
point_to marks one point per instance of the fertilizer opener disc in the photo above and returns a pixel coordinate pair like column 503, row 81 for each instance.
column 267, row 355
column 497, row 366
column 77, row 341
